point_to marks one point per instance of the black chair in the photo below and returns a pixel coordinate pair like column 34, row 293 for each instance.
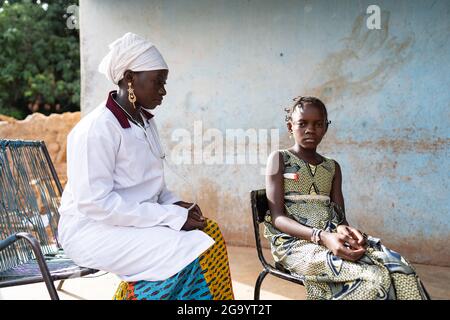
column 259, row 209
column 29, row 198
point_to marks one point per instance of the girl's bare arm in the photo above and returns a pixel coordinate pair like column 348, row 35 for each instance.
column 275, row 197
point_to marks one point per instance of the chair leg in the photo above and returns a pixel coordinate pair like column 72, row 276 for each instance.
column 60, row 284
column 41, row 262
column 259, row 281
column 427, row 295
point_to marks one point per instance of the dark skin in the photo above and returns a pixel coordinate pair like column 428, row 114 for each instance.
column 149, row 91
column 195, row 219
column 308, row 127
column 148, row 88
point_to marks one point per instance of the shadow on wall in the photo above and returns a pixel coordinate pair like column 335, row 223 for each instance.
column 368, row 59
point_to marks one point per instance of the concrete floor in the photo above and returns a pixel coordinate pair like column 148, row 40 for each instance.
column 245, row 268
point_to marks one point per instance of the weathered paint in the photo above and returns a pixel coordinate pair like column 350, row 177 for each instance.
column 236, row 64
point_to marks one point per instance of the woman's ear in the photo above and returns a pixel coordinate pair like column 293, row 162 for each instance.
column 128, row 76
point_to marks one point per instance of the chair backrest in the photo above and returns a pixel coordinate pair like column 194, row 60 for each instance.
column 30, row 192
column 259, row 203
column 260, row 206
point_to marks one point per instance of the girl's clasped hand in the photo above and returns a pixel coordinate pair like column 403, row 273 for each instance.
column 347, row 242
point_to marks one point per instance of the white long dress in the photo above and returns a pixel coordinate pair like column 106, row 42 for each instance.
column 117, row 214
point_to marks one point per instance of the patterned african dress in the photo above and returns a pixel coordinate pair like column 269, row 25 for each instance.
column 206, row 278
column 380, row 274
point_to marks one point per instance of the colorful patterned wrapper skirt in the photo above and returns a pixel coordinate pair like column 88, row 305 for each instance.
column 206, row 278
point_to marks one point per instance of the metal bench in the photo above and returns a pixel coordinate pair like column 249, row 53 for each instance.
column 29, row 198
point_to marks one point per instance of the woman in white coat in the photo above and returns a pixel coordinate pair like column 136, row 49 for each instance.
column 117, row 214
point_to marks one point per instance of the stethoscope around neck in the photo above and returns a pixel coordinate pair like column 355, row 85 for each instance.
column 160, row 152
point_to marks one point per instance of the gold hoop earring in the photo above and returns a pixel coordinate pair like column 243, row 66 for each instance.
column 131, row 96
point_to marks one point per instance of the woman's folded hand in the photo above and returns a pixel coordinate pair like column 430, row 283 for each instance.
column 195, row 219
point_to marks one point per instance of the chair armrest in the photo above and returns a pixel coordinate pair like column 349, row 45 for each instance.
column 8, row 241
column 34, row 243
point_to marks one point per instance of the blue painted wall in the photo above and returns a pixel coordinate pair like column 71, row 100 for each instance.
column 236, row 64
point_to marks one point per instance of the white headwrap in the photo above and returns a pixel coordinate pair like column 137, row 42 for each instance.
column 130, row 52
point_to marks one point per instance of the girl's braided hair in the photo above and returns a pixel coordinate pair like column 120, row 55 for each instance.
column 301, row 101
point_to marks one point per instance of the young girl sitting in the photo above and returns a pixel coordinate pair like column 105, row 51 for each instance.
column 307, row 228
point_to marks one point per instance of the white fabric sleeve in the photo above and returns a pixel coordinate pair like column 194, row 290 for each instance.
column 166, row 196
column 90, row 166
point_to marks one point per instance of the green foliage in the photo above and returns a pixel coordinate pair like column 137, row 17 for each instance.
column 39, row 58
